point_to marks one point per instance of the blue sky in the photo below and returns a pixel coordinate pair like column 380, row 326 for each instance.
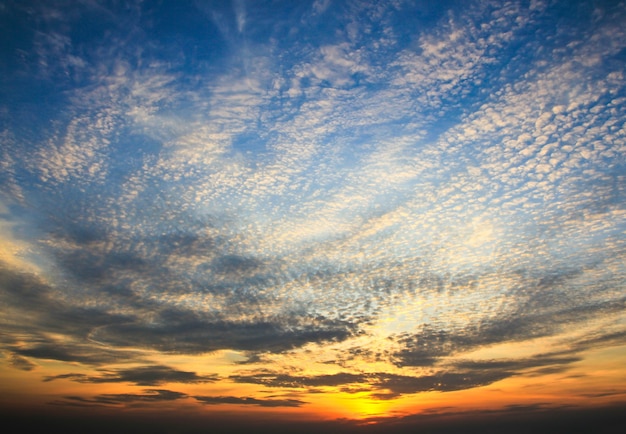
column 370, row 200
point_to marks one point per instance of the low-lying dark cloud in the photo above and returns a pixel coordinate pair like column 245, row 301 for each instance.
column 22, row 363
column 81, row 352
column 217, row 400
column 152, row 375
column 275, row 379
column 187, row 332
column 383, row 385
column 109, row 399
column 148, row 324
column 517, row 365
column 544, row 308
column 458, row 375
column 537, row 418
column 161, row 395
column 180, row 330
column 443, row 382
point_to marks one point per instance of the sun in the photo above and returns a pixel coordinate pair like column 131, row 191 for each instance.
column 362, row 406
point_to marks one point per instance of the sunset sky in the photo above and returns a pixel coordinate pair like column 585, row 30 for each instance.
column 353, row 213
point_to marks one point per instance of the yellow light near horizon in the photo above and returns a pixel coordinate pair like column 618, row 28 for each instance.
column 355, row 406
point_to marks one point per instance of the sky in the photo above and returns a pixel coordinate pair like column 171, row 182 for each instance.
column 344, row 213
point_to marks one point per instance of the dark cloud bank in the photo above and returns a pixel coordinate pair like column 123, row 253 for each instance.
column 536, row 419
column 182, row 331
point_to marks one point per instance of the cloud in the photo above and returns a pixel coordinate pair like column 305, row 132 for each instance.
column 540, row 319
column 151, row 375
column 40, row 347
column 22, row 363
column 217, row 400
column 154, row 325
column 381, row 385
column 273, row 379
column 320, row 6
column 28, row 294
column 444, row 382
column 517, row 364
column 164, row 395
column 117, row 399
column 186, row 332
